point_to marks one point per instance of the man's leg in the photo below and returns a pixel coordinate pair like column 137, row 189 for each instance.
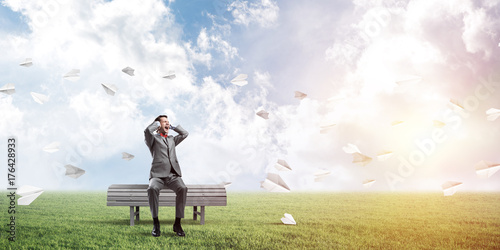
column 180, row 189
column 155, row 185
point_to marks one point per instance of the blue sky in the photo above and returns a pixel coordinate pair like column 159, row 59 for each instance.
column 347, row 56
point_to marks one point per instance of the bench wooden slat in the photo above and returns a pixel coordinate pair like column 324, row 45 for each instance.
column 169, row 204
column 145, row 186
column 145, row 194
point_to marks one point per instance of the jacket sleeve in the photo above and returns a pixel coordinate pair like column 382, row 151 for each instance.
column 182, row 134
column 148, row 133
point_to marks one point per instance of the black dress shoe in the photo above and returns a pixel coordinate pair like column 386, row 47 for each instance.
column 156, row 230
column 178, row 230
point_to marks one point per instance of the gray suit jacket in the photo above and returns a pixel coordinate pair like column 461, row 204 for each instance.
column 163, row 150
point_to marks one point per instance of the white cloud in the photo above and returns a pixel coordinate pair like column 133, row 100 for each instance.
column 264, row 13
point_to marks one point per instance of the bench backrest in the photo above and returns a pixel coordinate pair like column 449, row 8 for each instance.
column 137, row 195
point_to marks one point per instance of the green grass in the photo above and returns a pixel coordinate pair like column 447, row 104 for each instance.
column 252, row 221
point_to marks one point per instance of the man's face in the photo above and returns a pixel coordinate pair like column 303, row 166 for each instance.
column 164, row 125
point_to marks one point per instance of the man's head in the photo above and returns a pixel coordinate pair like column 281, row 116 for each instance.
column 164, row 124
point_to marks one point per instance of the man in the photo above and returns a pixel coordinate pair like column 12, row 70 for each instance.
column 165, row 170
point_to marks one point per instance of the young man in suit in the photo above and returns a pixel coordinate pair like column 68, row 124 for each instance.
column 165, row 170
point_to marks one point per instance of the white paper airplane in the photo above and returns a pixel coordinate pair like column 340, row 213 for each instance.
column 226, row 184
column 485, row 169
column 360, row 159
column 8, row 89
column 51, row 148
column 395, row 123
column 109, row 88
column 170, row 75
column 264, row 114
column 321, row 175
column 274, row 183
column 408, row 79
column 450, row 187
column 288, row 220
column 28, row 193
column 326, row 128
column 384, row 155
column 27, row 63
column 127, row 156
column 128, row 70
column 438, row 124
column 368, row 183
column 282, row 165
column 299, row 95
column 73, row 75
column 492, row 114
column 74, row 172
column 39, row 97
column 456, row 104
column 240, row 80
column 351, row 148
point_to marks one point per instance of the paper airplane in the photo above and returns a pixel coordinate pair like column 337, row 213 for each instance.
column 109, row 88
column 128, row 70
column 351, row 148
column 450, row 187
column 438, row 124
column 127, row 156
column 395, row 123
column 39, row 97
column 408, row 79
column 51, row 148
column 368, row 183
column 264, row 114
column 455, row 104
column 360, row 159
column 226, row 183
column 74, row 172
column 299, row 95
column 29, row 194
column 27, row 63
column 73, row 75
column 492, row 114
column 282, row 165
column 240, row 80
column 326, row 128
column 288, row 220
column 384, row 155
column 321, row 175
column 485, row 169
column 274, row 183
column 170, row 75
column 8, row 89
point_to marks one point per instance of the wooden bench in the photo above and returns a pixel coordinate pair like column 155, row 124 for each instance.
column 136, row 195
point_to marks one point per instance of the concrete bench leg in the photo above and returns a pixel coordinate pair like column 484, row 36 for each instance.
column 132, row 214
column 201, row 214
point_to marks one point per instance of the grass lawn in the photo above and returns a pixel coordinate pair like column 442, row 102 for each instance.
column 252, row 221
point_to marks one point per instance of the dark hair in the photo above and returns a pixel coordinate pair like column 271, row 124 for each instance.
column 160, row 116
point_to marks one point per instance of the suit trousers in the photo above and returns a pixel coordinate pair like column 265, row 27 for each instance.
column 173, row 182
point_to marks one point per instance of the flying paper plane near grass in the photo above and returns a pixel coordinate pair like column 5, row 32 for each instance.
column 450, row 187
column 326, row 128
column 384, row 155
column 8, row 89
column 360, row 159
column 288, row 219
column 240, row 80
column 170, row 75
column 127, row 156
column 51, row 148
column 73, row 75
column 27, row 63
column 492, row 114
column 128, row 70
column 438, row 124
column 264, row 114
column 282, row 165
column 274, row 183
column 368, row 183
column 109, row 88
column 321, row 175
column 351, row 148
column 39, row 97
column 485, row 169
column 74, row 172
column 29, row 194
column 226, row 184
column 299, row 95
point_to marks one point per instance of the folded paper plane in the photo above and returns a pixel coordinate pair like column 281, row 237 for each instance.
column 485, row 169
column 368, row 183
column 321, row 175
column 438, row 124
column 72, row 75
column 170, row 75
column 450, row 187
column 299, row 95
column 39, row 97
column 274, row 183
column 360, row 159
column 326, row 128
column 395, row 123
column 240, row 80
column 8, row 89
column 51, row 148
column 27, row 63
column 456, row 104
column 282, row 165
column 288, row 220
column 128, row 70
column 226, row 183
column 384, row 155
column 127, row 156
column 29, row 194
column 492, row 114
column 74, row 172
column 351, row 148
column 109, row 88
column 264, row 114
